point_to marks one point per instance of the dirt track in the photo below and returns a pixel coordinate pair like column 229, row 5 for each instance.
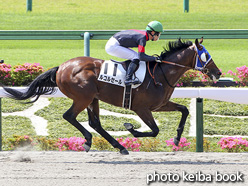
column 112, row 169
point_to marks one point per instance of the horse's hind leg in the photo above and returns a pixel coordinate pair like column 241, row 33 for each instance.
column 94, row 122
column 70, row 115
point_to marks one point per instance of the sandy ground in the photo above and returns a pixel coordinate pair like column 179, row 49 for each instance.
column 112, row 169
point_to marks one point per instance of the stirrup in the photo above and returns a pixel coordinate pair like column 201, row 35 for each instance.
column 136, row 81
column 132, row 82
column 128, row 82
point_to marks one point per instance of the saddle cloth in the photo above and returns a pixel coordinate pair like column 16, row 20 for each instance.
column 114, row 73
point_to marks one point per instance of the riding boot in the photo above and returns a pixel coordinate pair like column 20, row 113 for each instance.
column 131, row 68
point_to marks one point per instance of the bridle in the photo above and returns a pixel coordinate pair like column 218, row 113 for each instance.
column 196, row 55
column 204, row 70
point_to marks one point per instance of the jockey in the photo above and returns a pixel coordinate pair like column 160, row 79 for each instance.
column 120, row 43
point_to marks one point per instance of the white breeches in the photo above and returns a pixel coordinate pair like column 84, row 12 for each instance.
column 113, row 48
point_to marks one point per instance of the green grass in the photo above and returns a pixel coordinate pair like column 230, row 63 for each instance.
column 10, row 105
column 224, row 108
column 17, row 125
column 225, row 126
column 227, row 54
column 112, row 15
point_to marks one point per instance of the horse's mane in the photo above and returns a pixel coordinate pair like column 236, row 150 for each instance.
column 174, row 46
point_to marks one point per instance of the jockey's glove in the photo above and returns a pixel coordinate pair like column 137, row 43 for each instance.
column 158, row 59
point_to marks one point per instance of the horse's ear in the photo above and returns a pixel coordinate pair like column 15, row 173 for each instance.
column 197, row 43
column 201, row 41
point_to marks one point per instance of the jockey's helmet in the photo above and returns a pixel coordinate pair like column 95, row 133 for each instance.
column 155, row 26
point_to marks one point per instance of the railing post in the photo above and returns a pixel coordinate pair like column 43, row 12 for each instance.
column 0, row 124
column 29, row 5
column 86, row 44
column 186, row 6
column 199, row 125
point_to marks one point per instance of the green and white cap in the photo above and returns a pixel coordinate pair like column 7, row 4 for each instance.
column 155, row 26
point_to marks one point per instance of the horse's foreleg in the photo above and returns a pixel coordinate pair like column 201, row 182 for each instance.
column 147, row 117
column 70, row 115
column 170, row 106
column 94, row 122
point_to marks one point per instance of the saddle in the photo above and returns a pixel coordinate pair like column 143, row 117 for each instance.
column 128, row 89
column 125, row 64
column 114, row 72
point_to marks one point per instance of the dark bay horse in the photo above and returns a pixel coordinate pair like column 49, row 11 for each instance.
column 77, row 79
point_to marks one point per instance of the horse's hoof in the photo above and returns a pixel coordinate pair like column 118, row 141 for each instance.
column 86, row 147
column 124, row 152
column 176, row 142
column 128, row 126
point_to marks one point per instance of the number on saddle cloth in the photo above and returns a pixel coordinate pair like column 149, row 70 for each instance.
column 114, row 72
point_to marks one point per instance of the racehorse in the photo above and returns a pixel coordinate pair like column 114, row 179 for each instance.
column 77, row 79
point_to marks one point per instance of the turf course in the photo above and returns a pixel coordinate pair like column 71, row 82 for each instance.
column 113, row 15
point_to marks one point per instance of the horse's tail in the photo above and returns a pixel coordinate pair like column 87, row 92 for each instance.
column 44, row 84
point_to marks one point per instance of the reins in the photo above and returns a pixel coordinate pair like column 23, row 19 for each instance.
column 170, row 63
column 152, row 75
column 175, row 64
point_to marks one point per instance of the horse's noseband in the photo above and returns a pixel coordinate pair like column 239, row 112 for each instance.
column 205, row 70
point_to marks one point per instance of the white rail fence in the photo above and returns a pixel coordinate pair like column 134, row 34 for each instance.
column 234, row 95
